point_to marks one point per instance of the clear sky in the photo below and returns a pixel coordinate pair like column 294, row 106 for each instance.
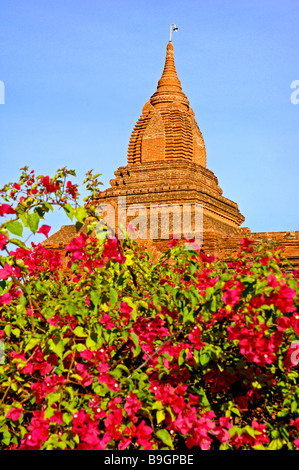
column 78, row 72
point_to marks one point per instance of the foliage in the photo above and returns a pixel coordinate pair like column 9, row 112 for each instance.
column 115, row 351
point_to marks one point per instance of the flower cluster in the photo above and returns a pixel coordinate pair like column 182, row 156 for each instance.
column 119, row 352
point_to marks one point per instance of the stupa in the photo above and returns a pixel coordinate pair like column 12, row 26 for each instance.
column 166, row 166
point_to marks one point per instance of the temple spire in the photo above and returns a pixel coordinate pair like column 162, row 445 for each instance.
column 169, row 86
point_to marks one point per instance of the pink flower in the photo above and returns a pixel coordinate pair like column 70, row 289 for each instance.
column 131, row 228
column 284, row 299
column 14, row 413
column 296, row 442
column 144, row 433
column 86, row 377
column 283, row 323
column 42, row 388
column 106, row 320
column 206, row 258
column 272, row 281
column 57, row 417
column 6, row 271
column 262, row 437
column 194, row 337
column 185, row 420
column 3, row 241
column 86, row 354
column 173, row 242
column 231, row 297
column 224, row 422
column 199, row 435
column 192, row 245
column 245, row 243
column 51, row 187
column 71, row 189
column 5, row 299
column 295, row 422
column 111, row 251
column 6, row 209
column 132, row 405
column 264, row 260
column 125, row 310
column 113, row 422
column 38, row 432
column 44, row 229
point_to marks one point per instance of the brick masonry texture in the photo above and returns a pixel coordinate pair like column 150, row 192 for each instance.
column 166, row 164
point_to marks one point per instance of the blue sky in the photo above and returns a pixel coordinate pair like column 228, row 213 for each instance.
column 78, row 72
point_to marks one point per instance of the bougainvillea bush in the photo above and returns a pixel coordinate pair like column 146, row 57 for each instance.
column 114, row 351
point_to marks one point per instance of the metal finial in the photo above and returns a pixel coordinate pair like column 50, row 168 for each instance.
column 173, row 27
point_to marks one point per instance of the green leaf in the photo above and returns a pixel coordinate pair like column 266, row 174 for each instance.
column 209, row 292
column 294, row 406
column 95, row 297
column 17, row 242
column 48, row 206
column 123, row 368
column 276, row 444
column 204, row 357
column 250, row 431
column 165, row 437
column 236, row 411
column 7, row 329
column 91, row 342
column 69, row 210
column 113, row 296
column 80, row 214
column 182, row 356
column 158, row 405
column 160, row 416
column 79, row 331
column 56, row 345
column 214, row 304
column 32, row 221
column 15, row 227
column 6, row 438
column 137, row 348
column 193, row 267
column 32, row 343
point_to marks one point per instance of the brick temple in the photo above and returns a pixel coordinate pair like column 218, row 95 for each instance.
column 167, row 166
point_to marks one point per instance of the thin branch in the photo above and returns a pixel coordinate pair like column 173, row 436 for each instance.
column 32, row 311
column 155, row 353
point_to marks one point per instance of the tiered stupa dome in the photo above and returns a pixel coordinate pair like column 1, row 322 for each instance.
column 167, row 129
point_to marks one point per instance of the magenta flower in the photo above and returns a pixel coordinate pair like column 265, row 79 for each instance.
column 143, row 434
column 6, row 271
column 14, row 413
column 231, row 297
column 6, row 209
column 3, row 241
column 5, row 299
column 44, row 229
column 132, row 405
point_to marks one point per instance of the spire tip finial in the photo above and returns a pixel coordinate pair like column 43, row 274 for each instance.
column 174, row 28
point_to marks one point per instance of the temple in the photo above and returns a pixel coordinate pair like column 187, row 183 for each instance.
column 167, row 174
